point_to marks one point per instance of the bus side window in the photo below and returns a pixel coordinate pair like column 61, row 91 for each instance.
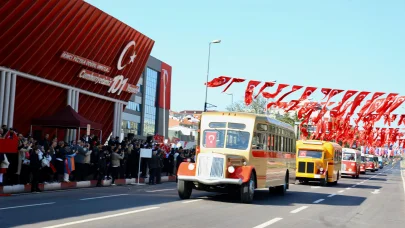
column 259, row 141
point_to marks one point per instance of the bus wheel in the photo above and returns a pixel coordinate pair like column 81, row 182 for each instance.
column 282, row 190
column 337, row 179
column 184, row 189
column 247, row 190
column 324, row 181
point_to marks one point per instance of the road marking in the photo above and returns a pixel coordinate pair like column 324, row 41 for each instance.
column 100, row 197
column 341, row 191
column 318, row 201
column 162, row 190
column 316, row 187
column 299, row 209
column 376, row 191
column 332, row 195
column 266, row 224
column 348, row 188
column 29, row 205
column 192, row 201
column 102, row 217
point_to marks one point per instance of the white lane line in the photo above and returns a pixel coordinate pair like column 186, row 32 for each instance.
column 162, row 190
column 102, row 217
column 29, row 205
column 348, row 188
column 100, row 197
column 191, row 201
column 299, row 209
column 341, row 191
column 266, row 224
column 318, row 201
column 316, row 187
column 332, row 195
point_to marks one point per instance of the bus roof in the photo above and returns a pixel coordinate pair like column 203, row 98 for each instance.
column 252, row 115
column 350, row 150
column 318, row 142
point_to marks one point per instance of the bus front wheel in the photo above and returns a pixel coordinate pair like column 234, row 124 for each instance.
column 324, row 181
column 184, row 189
column 247, row 190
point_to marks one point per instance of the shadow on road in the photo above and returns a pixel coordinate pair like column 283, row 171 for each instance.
column 294, row 198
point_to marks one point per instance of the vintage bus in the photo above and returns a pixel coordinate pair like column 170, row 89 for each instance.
column 238, row 153
column 363, row 169
column 351, row 162
column 318, row 161
column 370, row 164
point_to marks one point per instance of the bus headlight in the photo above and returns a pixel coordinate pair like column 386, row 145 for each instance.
column 188, row 160
column 231, row 169
column 191, row 166
column 321, row 169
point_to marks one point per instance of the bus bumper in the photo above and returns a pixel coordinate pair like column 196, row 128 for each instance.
column 211, row 181
column 348, row 172
column 305, row 176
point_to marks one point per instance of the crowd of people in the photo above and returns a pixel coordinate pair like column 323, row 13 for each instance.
column 49, row 160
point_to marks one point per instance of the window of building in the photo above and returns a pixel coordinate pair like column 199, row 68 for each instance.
column 150, row 87
column 130, row 127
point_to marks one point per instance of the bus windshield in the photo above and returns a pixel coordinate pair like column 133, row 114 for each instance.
column 363, row 159
column 310, row 154
column 348, row 157
column 369, row 159
column 235, row 139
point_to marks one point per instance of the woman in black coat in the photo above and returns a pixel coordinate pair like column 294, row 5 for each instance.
column 35, row 165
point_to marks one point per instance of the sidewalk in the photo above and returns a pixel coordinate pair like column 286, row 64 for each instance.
column 13, row 189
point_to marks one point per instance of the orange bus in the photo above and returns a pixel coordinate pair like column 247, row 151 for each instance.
column 240, row 152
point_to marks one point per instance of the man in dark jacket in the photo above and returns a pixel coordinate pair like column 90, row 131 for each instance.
column 35, row 165
column 153, row 166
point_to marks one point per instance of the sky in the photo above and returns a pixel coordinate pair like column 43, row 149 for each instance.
column 340, row 44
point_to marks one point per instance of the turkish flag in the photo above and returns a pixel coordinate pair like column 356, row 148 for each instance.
column 325, row 91
column 211, row 139
column 249, row 91
column 387, row 103
column 273, row 95
column 333, row 93
column 294, row 88
column 265, row 86
column 357, row 101
column 232, row 81
column 219, row 81
column 396, row 104
column 378, row 103
column 346, row 97
column 308, row 92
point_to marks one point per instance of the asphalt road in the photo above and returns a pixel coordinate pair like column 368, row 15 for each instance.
column 374, row 200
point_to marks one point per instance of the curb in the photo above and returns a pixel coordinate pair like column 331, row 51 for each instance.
column 13, row 189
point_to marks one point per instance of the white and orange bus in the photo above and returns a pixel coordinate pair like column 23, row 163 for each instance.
column 351, row 162
column 239, row 152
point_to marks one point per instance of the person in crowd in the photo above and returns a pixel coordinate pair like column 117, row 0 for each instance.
column 4, row 163
column 46, row 143
column 158, row 173
column 60, row 156
column 1, row 133
column 35, row 165
column 153, row 166
column 170, row 163
column 179, row 160
column 87, row 160
column 23, row 170
column 80, row 161
column 116, row 156
column 94, row 156
column 129, row 162
column 46, row 171
column 103, row 156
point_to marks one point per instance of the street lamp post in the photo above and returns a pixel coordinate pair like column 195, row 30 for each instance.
column 208, row 71
column 230, row 94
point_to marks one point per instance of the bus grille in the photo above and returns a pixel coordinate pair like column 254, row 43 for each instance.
column 310, row 167
column 301, row 167
column 210, row 167
column 305, row 167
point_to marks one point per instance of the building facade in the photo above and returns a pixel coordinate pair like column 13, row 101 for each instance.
column 147, row 114
column 68, row 52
